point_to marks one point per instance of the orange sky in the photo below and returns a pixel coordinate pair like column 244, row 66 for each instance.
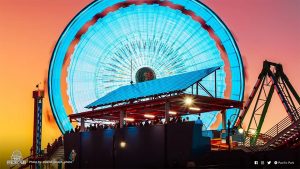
column 29, row 29
column 28, row 32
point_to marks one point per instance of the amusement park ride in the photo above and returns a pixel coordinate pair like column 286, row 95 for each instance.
column 38, row 96
column 286, row 132
column 186, row 63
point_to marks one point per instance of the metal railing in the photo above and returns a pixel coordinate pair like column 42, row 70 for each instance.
column 279, row 127
column 266, row 137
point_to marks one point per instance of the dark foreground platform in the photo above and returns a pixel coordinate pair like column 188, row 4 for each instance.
column 159, row 146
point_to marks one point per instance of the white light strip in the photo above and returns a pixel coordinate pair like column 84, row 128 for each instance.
column 128, row 119
column 195, row 108
column 149, row 116
column 172, row 112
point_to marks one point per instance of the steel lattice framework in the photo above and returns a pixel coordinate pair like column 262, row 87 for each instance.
column 271, row 79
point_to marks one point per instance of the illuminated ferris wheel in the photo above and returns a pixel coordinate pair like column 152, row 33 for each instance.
column 110, row 41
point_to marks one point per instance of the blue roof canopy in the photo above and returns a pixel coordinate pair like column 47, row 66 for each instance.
column 153, row 87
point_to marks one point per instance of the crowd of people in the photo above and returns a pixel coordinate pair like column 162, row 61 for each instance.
column 98, row 126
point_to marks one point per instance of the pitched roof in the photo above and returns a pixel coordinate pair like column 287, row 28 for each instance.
column 153, row 87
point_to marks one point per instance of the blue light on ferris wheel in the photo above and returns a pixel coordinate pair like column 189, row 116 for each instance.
column 109, row 41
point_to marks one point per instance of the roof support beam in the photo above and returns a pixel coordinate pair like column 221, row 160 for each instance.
column 82, row 124
column 223, row 113
column 215, row 83
column 167, row 109
column 197, row 86
column 122, row 115
column 206, row 91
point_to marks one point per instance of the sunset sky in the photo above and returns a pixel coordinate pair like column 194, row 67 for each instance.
column 29, row 29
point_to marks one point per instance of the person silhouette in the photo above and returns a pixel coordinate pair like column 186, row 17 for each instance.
column 199, row 121
column 72, row 156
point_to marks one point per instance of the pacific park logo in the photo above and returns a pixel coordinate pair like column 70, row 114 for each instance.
column 16, row 158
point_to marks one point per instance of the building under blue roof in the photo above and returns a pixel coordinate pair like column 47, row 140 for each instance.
column 153, row 87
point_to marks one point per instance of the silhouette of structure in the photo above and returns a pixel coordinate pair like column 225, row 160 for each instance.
column 38, row 96
column 286, row 132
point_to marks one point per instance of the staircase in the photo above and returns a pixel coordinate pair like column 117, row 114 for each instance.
column 283, row 133
column 285, row 136
column 58, row 154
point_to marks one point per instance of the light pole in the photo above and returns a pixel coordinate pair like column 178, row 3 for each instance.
column 228, row 135
column 228, row 132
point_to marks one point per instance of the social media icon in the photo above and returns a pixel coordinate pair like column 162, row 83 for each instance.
column 268, row 162
column 262, row 162
column 255, row 162
column 275, row 162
